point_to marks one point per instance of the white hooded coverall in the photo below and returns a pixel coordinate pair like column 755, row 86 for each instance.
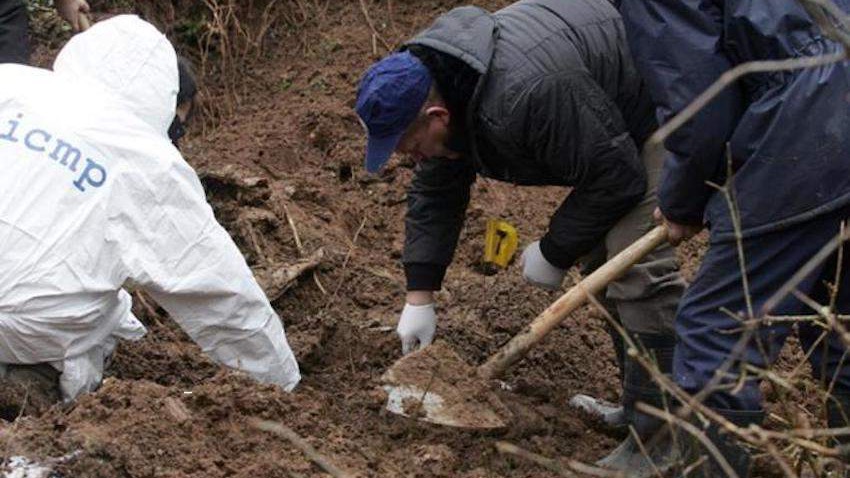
column 95, row 195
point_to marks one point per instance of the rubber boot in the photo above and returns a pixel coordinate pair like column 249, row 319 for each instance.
column 638, row 386
column 735, row 454
column 611, row 415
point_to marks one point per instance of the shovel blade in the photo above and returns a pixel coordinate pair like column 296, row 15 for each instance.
column 435, row 385
column 432, row 408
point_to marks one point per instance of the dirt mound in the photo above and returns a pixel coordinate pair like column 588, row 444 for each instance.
column 140, row 428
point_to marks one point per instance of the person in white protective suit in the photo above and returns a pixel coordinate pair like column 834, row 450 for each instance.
column 95, row 195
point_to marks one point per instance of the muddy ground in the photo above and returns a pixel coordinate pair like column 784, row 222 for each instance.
column 292, row 151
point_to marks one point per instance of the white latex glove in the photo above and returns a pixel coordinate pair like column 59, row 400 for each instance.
column 538, row 271
column 416, row 325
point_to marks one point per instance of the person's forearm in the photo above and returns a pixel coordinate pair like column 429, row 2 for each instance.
column 437, row 201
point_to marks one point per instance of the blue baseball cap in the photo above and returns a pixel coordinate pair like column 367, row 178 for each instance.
column 390, row 96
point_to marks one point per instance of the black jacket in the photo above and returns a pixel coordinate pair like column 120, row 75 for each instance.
column 559, row 102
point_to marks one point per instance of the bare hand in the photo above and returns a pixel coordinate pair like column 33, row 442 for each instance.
column 70, row 10
column 676, row 232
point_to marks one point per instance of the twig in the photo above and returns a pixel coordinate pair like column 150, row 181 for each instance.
column 688, row 402
column 140, row 296
column 691, row 403
column 723, row 371
column 694, row 431
column 375, row 33
column 809, row 353
column 506, row 448
column 353, row 243
column 822, row 255
column 256, row 242
column 301, row 444
column 319, row 283
column 778, row 319
column 824, row 311
column 728, row 192
column 295, row 235
column 593, row 470
column 838, row 33
column 343, row 274
column 755, row 435
column 427, row 389
column 5, row 456
column 810, row 433
column 777, row 458
column 644, row 452
column 278, row 281
column 693, row 466
column 390, row 16
column 577, row 466
column 835, row 377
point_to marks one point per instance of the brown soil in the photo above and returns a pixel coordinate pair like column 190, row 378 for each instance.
column 294, row 148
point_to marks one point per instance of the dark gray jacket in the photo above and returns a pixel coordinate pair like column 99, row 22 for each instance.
column 559, row 102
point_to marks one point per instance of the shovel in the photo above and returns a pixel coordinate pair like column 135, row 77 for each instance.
column 435, row 385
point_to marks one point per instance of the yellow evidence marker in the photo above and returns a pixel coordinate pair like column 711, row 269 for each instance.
column 500, row 243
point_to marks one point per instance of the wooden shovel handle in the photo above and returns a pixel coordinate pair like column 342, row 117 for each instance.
column 570, row 301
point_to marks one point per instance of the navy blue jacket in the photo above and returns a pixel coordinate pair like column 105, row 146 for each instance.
column 788, row 132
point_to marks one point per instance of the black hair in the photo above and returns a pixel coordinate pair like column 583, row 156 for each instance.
column 188, row 84
column 455, row 82
column 187, row 89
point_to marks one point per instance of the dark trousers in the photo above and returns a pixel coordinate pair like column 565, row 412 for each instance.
column 707, row 335
column 14, row 37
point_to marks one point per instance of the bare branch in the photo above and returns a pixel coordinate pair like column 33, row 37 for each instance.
column 282, row 430
column 693, row 431
column 823, row 254
column 548, row 463
column 555, row 466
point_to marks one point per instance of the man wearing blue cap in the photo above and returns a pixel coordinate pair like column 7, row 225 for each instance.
column 543, row 92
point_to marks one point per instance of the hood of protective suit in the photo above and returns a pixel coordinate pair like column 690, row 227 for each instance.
column 129, row 58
